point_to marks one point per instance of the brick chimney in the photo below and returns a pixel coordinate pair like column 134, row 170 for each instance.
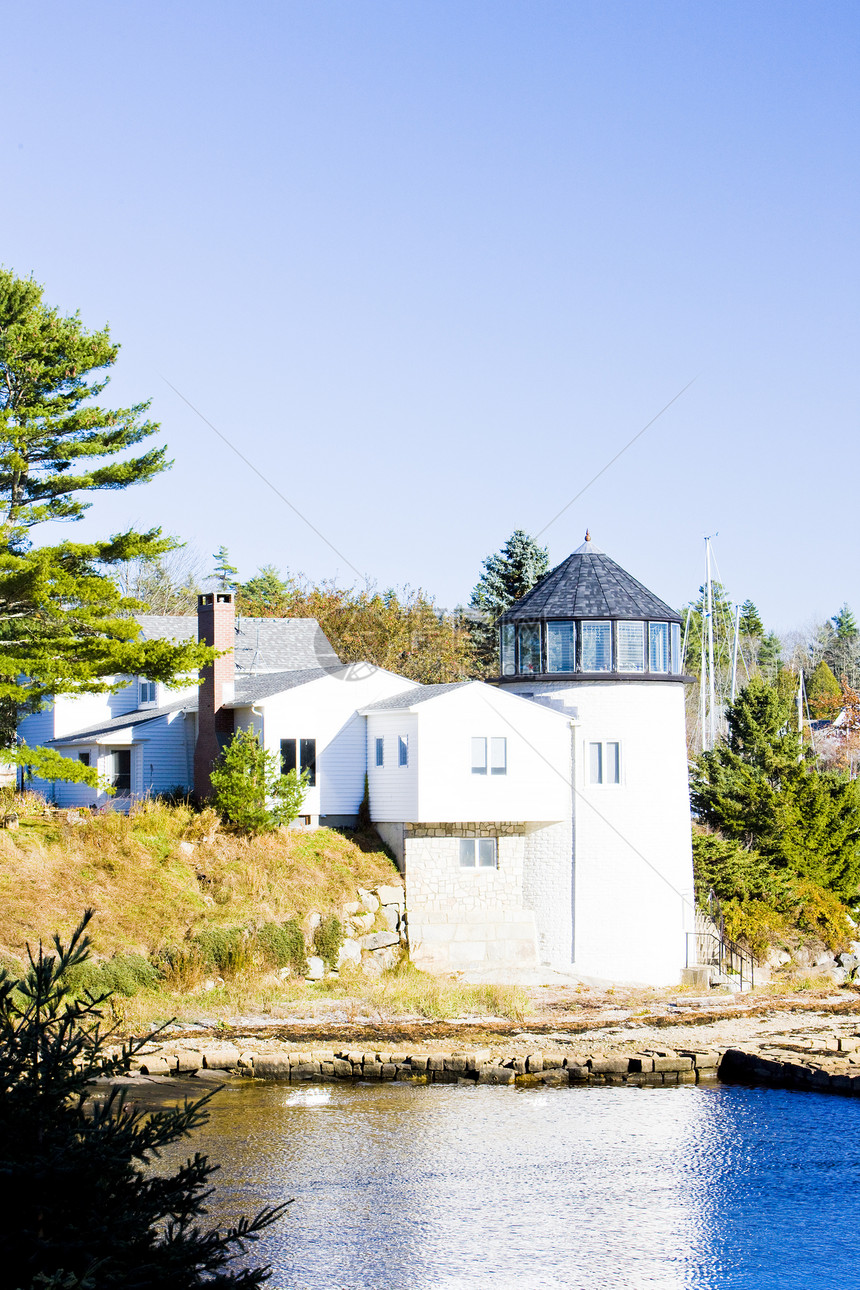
column 216, row 625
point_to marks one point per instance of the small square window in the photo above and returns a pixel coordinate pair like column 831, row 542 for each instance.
column 403, row 750
column 498, row 756
column 486, row 853
column 479, row 756
column 604, row 763
column 380, row 752
column 467, row 853
column 84, row 759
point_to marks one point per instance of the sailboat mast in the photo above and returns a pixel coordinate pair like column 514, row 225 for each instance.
column 712, row 689
column 800, row 705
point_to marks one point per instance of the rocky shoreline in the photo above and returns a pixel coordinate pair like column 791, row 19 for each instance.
column 813, row 1047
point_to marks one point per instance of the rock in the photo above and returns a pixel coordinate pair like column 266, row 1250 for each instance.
column 316, row 968
column 379, row 940
column 803, row 956
column 368, row 900
column 387, row 957
column 314, row 920
column 186, row 1060
column 849, row 961
column 838, row 975
column 213, row 983
column 391, row 895
column 224, row 1058
column 391, row 917
column 351, row 907
column 364, row 922
column 349, row 952
column 824, row 960
column 491, row 1074
column 10, row 820
column 777, row 958
column 186, row 848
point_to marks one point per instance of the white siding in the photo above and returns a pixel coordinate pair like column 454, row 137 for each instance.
column 393, row 788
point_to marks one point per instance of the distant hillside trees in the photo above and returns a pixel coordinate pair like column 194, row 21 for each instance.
column 65, row 626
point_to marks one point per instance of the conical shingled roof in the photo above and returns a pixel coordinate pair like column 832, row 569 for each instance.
column 588, row 584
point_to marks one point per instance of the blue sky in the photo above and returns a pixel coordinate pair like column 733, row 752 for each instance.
column 430, row 265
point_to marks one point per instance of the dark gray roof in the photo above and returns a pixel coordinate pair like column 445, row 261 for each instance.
column 418, row 694
column 588, row 584
column 249, row 689
column 137, row 718
column 262, row 644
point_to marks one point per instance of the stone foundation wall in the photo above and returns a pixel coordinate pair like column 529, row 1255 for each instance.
column 466, row 919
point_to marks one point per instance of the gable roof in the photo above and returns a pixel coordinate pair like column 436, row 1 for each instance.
column 409, row 698
column 588, row 584
column 263, row 645
column 138, row 718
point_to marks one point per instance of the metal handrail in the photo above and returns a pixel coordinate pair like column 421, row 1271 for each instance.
column 727, row 955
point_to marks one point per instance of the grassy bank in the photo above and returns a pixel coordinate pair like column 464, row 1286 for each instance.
column 192, row 921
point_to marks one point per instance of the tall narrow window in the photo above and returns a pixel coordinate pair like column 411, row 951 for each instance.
column 612, row 763
column 529, row 641
column 509, row 662
column 677, row 665
column 479, row 756
column 308, row 754
column 146, row 692
column 658, row 634
column 120, row 771
column 403, row 750
column 560, row 641
column 498, row 756
column 631, row 647
column 380, row 751
column 596, row 647
column 595, row 763
column 288, row 756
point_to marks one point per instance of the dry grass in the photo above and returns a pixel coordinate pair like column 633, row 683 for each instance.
column 146, row 893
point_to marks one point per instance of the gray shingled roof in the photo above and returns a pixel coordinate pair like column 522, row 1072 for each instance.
column 588, row 584
column 262, row 644
column 418, row 694
column 137, row 718
column 249, row 689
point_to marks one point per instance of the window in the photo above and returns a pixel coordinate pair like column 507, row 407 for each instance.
column 596, row 647
column 288, row 756
column 677, row 665
column 380, row 751
column 119, row 771
column 84, row 759
column 308, row 755
column 498, row 756
column 529, row 639
column 658, row 635
column 478, row 853
column 604, row 763
column 560, row 647
column 403, row 750
column 146, row 692
column 479, row 756
column 631, row 647
column 509, row 663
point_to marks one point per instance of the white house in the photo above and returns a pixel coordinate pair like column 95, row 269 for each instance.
column 543, row 819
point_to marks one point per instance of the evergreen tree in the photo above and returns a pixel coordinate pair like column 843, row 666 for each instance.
column 250, row 791
column 845, row 624
column 81, row 1202
column 769, row 656
column 763, row 789
column 507, row 576
column 824, row 693
column 751, row 624
column 267, row 594
column 225, row 574
column 64, row 625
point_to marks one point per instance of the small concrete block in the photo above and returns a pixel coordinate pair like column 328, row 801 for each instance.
column 641, row 1064
column 355, row 1058
column 553, row 1061
column 669, row 1077
column 389, row 895
column 519, row 1065
column 191, row 1061
column 686, row 1077
column 435, row 1062
column 708, row 1060
column 445, row 1077
column 671, row 1065
column 305, row 1070
column 342, row 1069
column 372, row 1070
column 491, row 1074
column 271, row 1066
column 611, row 1066
column 368, row 1059
column 555, row 1077
column 327, row 1069
column 155, row 1065
column 389, row 1070
column 384, row 1058
column 457, row 1064
column 419, row 1063
column 577, row 1072
column 534, row 1063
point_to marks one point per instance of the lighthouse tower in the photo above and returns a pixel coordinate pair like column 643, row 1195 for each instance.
column 612, row 892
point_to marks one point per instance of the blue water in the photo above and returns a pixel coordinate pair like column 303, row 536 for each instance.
column 452, row 1186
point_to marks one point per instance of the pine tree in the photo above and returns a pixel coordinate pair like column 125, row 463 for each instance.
column 249, row 789
column 845, row 624
column 823, row 693
column 225, row 574
column 751, row 624
column 81, row 1202
column 507, row 576
column 64, row 625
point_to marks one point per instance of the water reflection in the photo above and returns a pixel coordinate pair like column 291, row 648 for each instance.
column 454, row 1186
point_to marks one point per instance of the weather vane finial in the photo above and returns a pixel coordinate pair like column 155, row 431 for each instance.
column 587, row 536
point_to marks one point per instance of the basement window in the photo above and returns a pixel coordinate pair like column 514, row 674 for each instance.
column 479, row 853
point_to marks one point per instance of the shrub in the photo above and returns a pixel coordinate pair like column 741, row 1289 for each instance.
column 81, row 1200
column 249, row 790
column 126, row 974
column 328, row 938
column 283, row 945
column 226, row 950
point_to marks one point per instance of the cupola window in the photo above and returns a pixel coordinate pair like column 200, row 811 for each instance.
column 631, row 647
column 658, row 634
column 529, row 641
column 509, row 661
column 676, row 648
column 596, row 647
column 560, row 647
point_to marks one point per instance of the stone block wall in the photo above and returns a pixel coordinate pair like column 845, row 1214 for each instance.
column 466, row 919
column 548, row 889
